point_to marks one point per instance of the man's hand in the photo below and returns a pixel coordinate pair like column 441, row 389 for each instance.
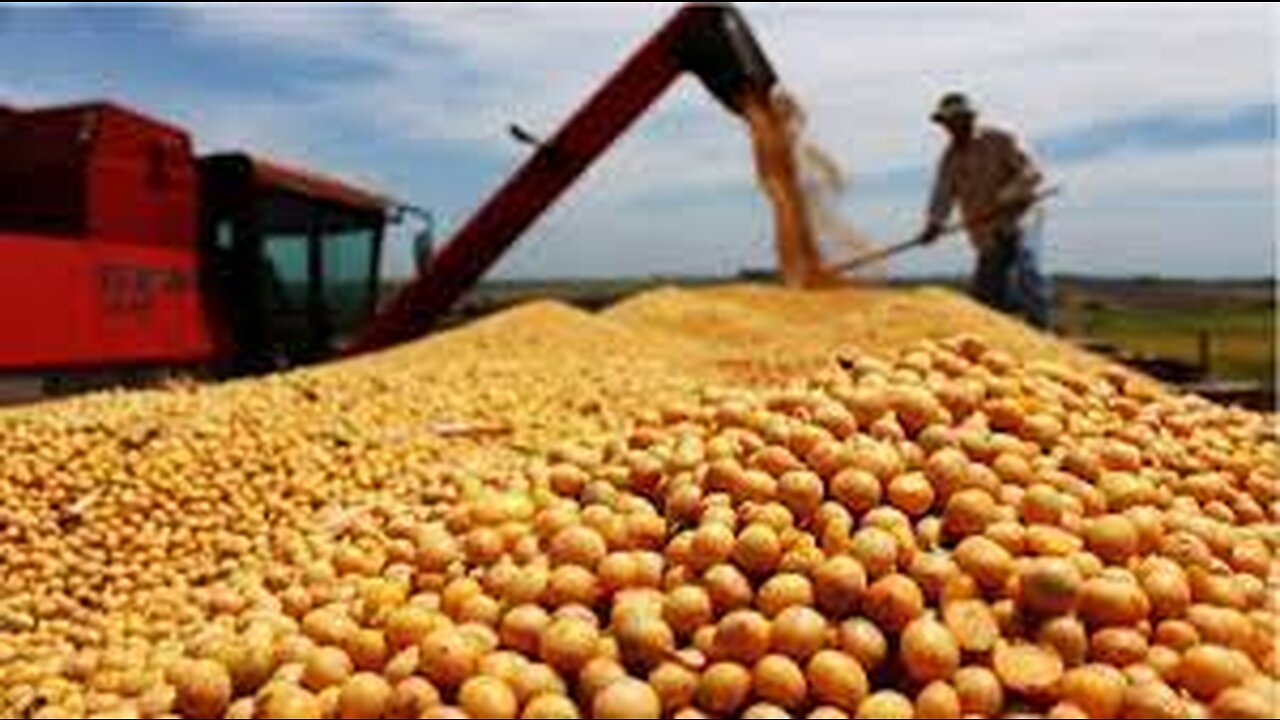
column 930, row 234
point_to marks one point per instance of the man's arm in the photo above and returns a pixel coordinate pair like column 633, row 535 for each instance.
column 1024, row 176
column 942, row 201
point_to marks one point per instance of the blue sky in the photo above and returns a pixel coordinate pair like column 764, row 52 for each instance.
column 1158, row 119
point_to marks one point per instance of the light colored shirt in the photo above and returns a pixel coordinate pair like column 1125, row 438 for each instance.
column 990, row 172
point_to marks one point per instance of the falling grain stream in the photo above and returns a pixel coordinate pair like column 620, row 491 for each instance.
column 803, row 185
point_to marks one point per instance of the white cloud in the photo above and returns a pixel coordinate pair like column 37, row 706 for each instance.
column 1044, row 67
column 1207, row 211
column 459, row 72
column 318, row 28
column 869, row 70
column 1208, row 171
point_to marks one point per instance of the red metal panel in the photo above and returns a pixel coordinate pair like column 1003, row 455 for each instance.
column 149, row 307
column 97, row 170
column 142, row 181
column 72, row 304
column 41, row 304
column 271, row 174
column 42, row 186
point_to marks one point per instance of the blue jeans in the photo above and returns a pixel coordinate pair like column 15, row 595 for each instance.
column 1008, row 278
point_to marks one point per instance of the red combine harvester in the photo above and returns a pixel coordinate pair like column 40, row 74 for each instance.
column 120, row 248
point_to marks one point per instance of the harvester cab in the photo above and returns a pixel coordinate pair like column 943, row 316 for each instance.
column 125, row 255
column 294, row 255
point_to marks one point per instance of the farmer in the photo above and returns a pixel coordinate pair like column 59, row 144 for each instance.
column 987, row 173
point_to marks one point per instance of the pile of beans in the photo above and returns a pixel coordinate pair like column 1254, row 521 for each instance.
column 955, row 533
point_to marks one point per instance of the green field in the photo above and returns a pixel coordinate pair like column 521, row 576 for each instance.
column 1241, row 341
column 1229, row 328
